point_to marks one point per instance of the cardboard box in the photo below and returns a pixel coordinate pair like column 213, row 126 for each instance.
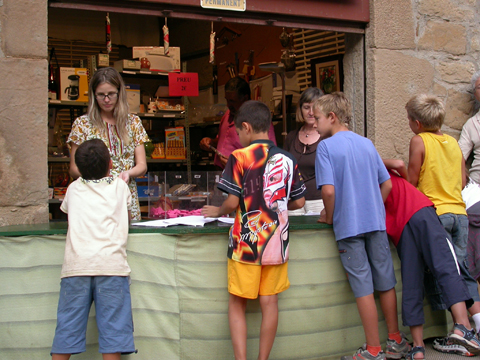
column 103, row 60
column 121, row 65
column 133, row 97
column 73, row 84
column 175, row 143
column 158, row 61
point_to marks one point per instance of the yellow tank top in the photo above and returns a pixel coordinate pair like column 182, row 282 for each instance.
column 441, row 173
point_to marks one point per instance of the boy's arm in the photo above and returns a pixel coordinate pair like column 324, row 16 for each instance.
column 328, row 196
column 415, row 161
column 296, row 204
column 230, row 204
column 385, row 189
column 397, row 165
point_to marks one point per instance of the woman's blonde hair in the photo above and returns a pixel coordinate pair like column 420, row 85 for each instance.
column 309, row 96
column 120, row 112
column 337, row 103
column 428, row 110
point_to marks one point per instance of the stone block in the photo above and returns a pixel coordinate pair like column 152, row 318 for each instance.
column 23, row 133
column 444, row 36
column 394, row 78
column 448, row 9
column 455, row 71
column 24, row 28
column 458, row 108
column 391, row 25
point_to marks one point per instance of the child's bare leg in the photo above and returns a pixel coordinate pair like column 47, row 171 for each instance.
column 388, row 302
column 417, row 335
column 115, row 356
column 460, row 316
column 61, row 356
column 268, row 329
column 368, row 313
column 238, row 326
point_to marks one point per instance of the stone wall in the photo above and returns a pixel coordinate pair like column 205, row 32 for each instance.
column 419, row 46
column 23, row 112
column 411, row 46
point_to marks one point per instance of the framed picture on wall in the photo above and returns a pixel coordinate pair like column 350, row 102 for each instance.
column 327, row 73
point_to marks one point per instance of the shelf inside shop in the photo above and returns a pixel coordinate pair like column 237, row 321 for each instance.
column 67, row 103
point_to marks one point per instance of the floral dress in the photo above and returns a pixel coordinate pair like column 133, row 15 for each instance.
column 123, row 156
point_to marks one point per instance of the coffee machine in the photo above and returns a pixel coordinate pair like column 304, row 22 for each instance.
column 73, row 89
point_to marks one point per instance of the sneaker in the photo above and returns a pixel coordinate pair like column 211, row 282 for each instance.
column 363, row 354
column 395, row 350
column 446, row 346
column 468, row 339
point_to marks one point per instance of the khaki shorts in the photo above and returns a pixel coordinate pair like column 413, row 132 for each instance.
column 249, row 281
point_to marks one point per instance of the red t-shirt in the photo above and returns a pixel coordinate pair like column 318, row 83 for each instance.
column 403, row 201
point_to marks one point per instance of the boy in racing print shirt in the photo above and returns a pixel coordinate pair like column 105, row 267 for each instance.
column 262, row 182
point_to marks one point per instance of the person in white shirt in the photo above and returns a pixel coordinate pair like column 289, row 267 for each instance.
column 95, row 267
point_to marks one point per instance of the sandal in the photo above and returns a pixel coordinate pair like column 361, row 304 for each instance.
column 415, row 350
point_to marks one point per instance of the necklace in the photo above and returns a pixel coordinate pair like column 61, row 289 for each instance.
column 306, row 134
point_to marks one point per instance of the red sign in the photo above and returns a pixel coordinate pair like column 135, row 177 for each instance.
column 183, row 84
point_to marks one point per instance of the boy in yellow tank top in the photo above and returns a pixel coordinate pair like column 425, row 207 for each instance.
column 436, row 167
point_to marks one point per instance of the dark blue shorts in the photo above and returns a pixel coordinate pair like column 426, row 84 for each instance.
column 113, row 313
column 424, row 242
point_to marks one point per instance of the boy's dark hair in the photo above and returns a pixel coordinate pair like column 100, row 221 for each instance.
column 239, row 85
column 93, row 159
column 256, row 113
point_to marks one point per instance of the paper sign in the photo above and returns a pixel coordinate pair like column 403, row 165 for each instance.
column 183, row 84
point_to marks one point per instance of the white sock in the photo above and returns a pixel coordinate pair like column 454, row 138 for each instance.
column 476, row 319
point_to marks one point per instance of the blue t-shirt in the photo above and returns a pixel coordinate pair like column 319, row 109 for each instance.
column 353, row 166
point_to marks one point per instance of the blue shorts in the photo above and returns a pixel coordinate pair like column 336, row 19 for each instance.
column 368, row 262
column 113, row 312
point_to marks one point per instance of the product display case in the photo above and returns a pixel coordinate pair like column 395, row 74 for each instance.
column 180, row 193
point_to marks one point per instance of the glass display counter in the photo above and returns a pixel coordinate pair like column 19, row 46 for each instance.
column 179, row 193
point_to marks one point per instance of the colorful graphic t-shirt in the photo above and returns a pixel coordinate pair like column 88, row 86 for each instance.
column 264, row 177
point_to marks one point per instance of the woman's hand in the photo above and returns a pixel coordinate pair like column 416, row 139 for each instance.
column 125, row 176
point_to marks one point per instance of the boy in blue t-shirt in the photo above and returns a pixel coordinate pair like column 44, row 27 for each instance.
column 262, row 182
column 354, row 183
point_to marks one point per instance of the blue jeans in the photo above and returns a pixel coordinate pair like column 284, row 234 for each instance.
column 457, row 229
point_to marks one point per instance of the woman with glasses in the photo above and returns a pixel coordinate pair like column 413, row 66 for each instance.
column 108, row 119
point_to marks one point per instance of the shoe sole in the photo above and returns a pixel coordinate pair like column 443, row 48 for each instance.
column 457, row 339
column 454, row 352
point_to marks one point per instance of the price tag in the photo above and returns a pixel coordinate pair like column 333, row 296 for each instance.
column 183, row 84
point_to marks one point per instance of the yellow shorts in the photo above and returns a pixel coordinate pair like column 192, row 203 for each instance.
column 249, row 281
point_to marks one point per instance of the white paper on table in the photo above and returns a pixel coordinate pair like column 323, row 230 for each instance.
column 226, row 220
column 185, row 220
column 312, row 213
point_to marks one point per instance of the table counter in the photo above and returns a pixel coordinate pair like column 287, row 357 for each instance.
column 180, row 298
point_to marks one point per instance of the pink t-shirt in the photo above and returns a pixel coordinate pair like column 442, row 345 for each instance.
column 228, row 140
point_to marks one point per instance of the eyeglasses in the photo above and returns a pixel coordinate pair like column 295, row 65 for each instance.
column 110, row 96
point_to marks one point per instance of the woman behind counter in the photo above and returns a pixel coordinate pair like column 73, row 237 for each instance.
column 108, row 119
column 302, row 144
